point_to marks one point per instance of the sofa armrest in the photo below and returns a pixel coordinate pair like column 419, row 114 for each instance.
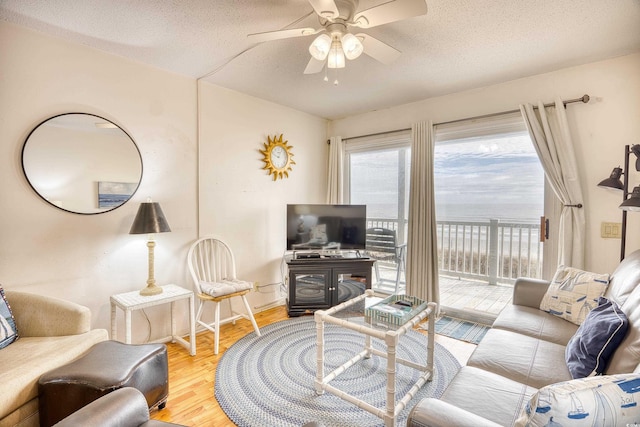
column 431, row 412
column 125, row 407
column 529, row 292
column 41, row 316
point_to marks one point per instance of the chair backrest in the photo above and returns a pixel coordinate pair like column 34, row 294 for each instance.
column 210, row 260
column 381, row 241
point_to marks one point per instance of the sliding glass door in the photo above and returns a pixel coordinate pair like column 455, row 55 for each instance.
column 490, row 196
column 377, row 171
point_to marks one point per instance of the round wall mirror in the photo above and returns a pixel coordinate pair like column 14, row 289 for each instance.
column 82, row 163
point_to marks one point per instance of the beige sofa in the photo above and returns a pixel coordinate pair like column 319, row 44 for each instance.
column 525, row 351
column 52, row 332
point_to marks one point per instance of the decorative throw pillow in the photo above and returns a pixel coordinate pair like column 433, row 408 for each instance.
column 608, row 400
column 589, row 350
column 8, row 330
column 573, row 293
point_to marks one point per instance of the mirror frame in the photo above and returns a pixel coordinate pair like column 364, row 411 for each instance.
column 24, row 169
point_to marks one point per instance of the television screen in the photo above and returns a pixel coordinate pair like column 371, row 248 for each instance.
column 329, row 227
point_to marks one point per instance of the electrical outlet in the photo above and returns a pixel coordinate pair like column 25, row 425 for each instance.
column 611, row 230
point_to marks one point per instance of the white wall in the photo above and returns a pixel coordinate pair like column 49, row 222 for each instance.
column 239, row 201
column 600, row 130
column 87, row 258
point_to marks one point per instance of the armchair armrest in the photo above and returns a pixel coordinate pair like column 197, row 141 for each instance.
column 41, row 316
column 436, row 413
column 125, row 407
column 529, row 292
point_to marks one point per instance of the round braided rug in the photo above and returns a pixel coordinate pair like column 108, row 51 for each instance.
column 269, row 380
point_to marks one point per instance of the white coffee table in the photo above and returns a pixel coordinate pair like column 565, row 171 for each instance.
column 391, row 337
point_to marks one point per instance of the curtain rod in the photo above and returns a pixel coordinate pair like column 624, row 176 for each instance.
column 584, row 99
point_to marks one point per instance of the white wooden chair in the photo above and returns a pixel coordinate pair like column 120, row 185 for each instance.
column 213, row 269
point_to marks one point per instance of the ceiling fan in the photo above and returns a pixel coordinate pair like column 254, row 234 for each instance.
column 336, row 42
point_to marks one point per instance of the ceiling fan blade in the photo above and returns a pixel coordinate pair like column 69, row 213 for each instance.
column 378, row 50
column 282, row 34
column 325, row 8
column 389, row 12
column 314, row 66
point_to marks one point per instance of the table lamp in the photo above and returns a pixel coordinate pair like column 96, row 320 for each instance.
column 150, row 220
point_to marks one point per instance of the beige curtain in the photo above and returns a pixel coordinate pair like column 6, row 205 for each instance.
column 335, row 184
column 422, row 242
column 551, row 137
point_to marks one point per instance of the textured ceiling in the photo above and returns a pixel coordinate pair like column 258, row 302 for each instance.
column 458, row 45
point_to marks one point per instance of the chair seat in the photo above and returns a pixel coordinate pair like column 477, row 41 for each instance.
column 224, row 287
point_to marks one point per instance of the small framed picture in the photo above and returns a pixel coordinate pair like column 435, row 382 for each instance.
column 113, row 194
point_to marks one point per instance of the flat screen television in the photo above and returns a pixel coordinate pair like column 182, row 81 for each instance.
column 328, row 227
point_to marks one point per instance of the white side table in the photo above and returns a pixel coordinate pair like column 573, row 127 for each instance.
column 130, row 301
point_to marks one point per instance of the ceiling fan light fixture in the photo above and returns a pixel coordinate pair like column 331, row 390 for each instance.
column 320, row 47
column 352, row 46
column 336, row 55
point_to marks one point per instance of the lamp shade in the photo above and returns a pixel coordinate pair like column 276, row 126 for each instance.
column 336, row 55
column 635, row 149
column 149, row 219
column 613, row 182
column 633, row 202
column 319, row 48
column 352, row 46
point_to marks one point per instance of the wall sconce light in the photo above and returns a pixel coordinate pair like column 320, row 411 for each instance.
column 631, row 203
column 150, row 220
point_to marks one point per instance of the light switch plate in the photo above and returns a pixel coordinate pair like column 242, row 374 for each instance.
column 611, row 230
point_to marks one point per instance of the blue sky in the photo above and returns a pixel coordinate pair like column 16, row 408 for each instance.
column 498, row 178
column 501, row 177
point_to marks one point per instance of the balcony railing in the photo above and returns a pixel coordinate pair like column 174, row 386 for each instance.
column 493, row 251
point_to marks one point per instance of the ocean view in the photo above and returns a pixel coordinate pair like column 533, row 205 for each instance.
column 516, row 212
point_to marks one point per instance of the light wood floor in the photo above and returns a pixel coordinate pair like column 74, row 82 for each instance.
column 191, row 379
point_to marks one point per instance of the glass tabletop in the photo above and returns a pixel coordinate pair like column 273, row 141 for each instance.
column 364, row 310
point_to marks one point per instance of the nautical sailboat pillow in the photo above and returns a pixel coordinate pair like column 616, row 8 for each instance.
column 610, row 400
column 573, row 293
column 8, row 330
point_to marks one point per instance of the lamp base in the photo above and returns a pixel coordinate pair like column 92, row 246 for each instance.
column 151, row 290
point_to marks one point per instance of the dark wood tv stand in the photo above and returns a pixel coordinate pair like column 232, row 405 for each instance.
column 321, row 283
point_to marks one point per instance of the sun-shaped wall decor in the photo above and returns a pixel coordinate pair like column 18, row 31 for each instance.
column 278, row 157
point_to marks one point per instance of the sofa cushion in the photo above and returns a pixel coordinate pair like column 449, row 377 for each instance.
column 627, row 357
column 573, row 293
column 8, row 329
column 601, row 401
column 535, row 323
column 624, row 279
column 475, row 390
column 37, row 355
column 520, row 358
column 589, row 350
